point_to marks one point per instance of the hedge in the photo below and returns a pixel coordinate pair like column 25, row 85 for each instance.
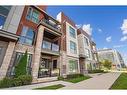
column 12, row 82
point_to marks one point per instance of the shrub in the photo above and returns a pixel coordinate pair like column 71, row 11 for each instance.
column 12, row 82
column 95, row 71
column 6, row 82
column 60, row 78
column 74, row 76
column 17, row 82
column 25, row 79
column 20, row 68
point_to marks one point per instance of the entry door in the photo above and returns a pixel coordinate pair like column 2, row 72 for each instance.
column 44, row 68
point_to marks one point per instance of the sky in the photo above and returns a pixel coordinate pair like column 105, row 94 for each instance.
column 106, row 24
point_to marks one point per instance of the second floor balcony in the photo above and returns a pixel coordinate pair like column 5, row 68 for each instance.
column 50, row 48
column 51, row 25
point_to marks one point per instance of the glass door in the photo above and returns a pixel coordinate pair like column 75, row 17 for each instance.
column 44, row 68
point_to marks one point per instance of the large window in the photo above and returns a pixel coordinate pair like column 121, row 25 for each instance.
column 86, row 41
column 17, row 59
column 72, row 32
column 87, row 53
column 33, row 15
column 73, row 66
column 27, row 36
column 4, row 10
column 73, row 48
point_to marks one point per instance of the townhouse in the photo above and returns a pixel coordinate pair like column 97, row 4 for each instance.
column 30, row 28
column 69, row 46
column 55, row 47
column 112, row 55
column 88, row 58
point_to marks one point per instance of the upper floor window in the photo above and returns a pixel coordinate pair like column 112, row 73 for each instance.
column 86, row 41
column 73, row 48
column 87, row 53
column 4, row 10
column 72, row 32
column 33, row 15
column 27, row 36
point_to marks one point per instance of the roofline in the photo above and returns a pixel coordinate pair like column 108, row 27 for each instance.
column 47, row 14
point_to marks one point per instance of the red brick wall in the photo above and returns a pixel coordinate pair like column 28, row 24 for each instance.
column 25, row 22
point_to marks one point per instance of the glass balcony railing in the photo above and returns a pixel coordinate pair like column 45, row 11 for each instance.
column 50, row 46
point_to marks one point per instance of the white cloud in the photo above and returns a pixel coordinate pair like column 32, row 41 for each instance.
column 124, row 38
column 108, row 39
column 105, row 48
column 78, row 25
column 118, row 46
column 99, row 30
column 124, row 27
column 87, row 28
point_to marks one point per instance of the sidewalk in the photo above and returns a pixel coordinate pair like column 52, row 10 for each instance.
column 103, row 81
column 28, row 87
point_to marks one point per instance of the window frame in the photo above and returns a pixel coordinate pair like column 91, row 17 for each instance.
column 24, row 38
column 74, row 49
column 30, row 16
column 72, row 34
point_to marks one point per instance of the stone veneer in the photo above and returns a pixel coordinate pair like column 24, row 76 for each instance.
column 7, row 59
column 37, row 53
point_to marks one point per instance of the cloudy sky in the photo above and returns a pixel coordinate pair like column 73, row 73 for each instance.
column 107, row 24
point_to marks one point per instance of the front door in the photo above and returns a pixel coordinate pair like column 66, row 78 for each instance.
column 44, row 68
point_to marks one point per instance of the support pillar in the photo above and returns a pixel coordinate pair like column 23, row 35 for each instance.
column 37, row 53
column 7, row 59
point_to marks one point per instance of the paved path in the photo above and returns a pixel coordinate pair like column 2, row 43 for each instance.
column 103, row 81
column 27, row 87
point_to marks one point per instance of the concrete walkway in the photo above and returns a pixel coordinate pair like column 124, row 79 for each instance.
column 103, row 81
column 28, row 87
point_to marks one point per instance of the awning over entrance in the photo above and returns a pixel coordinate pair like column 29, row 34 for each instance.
column 7, row 36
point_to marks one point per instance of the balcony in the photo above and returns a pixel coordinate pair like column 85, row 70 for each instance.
column 50, row 48
column 51, row 25
column 83, row 56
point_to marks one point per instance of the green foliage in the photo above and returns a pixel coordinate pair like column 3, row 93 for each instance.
column 121, row 82
column 25, row 79
column 20, row 68
column 107, row 64
column 6, row 82
column 74, row 76
column 12, row 82
column 96, row 71
column 60, row 78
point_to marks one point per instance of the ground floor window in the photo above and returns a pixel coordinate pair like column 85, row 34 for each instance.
column 73, row 66
column 17, row 59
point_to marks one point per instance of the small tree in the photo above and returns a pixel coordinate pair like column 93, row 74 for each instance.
column 20, row 68
column 107, row 64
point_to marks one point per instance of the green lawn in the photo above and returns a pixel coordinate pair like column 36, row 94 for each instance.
column 78, row 79
column 121, row 82
column 52, row 87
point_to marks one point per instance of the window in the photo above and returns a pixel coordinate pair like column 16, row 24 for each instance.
column 4, row 10
column 73, row 48
column 33, row 15
column 86, row 41
column 72, row 32
column 87, row 53
column 17, row 59
column 54, row 64
column 73, row 66
column 27, row 36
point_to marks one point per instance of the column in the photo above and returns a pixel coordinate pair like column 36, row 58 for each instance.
column 7, row 59
column 37, row 53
